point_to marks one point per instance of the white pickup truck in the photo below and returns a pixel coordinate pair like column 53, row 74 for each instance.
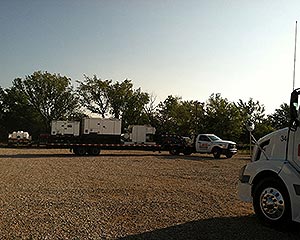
column 208, row 143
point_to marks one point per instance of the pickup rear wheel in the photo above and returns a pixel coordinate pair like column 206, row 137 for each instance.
column 271, row 203
column 216, row 152
column 187, row 152
column 174, row 151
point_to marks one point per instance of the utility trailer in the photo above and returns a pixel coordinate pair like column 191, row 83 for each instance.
column 91, row 135
column 166, row 143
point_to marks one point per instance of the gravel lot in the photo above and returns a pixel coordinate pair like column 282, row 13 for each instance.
column 52, row 194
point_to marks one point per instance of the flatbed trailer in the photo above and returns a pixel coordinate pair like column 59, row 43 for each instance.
column 94, row 149
column 91, row 136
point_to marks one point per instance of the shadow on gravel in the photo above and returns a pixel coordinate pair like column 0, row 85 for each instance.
column 38, row 156
column 68, row 155
column 232, row 228
column 165, row 155
column 190, row 157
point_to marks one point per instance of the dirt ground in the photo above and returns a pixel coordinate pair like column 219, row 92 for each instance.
column 53, row 194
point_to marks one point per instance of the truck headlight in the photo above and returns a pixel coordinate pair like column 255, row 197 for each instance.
column 231, row 146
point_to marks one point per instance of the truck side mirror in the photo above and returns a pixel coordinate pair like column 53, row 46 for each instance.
column 250, row 126
column 294, row 105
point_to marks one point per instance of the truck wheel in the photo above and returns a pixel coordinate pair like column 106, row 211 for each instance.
column 187, row 152
column 80, row 151
column 94, row 151
column 216, row 152
column 229, row 155
column 272, row 204
column 174, row 151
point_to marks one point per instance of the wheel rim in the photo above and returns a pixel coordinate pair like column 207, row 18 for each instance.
column 272, row 203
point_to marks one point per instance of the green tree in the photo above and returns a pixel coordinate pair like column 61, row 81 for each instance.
column 255, row 112
column 94, row 94
column 134, row 108
column 2, row 94
column 51, row 95
column 222, row 117
column 251, row 110
column 150, row 111
column 281, row 117
column 3, row 133
column 118, row 95
column 17, row 114
column 197, row 110
column 166, row 116
column 175, row 116
column 189, row 116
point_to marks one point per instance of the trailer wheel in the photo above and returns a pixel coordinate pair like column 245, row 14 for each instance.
column 94, row 151
column 271, row 203
column 216, row 152
column 80, row 151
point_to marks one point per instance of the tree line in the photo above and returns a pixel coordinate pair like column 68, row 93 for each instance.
column 30, row 104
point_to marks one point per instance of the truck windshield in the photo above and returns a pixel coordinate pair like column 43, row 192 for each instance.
column 214, row 138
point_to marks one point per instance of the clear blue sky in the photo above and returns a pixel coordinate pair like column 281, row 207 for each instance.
column 189, row 48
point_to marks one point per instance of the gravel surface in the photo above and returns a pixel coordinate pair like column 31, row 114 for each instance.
column 52, row 194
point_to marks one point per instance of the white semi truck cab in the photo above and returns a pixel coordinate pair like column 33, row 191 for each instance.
column 271, row 181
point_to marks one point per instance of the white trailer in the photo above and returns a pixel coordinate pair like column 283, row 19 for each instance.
column 19, row 138
column 139, row 134
column 101, row 126
column 271, row 181
column 65, row 128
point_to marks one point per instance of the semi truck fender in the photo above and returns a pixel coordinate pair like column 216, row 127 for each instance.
column 253, row 173
column 291, row 179
column 255, row 169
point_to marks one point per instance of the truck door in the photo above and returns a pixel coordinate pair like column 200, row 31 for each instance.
column 293, row 139
column 294, row 146
column 203, row 143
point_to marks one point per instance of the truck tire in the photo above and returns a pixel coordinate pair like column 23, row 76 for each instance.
column 187, row 152
column 79, row 151
column 229, row 155
column 94, row 151
column 216, row 152
column 174, row 151
column 271, row 203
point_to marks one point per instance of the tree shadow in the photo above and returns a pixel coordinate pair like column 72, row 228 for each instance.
column 32, row 155
column 231, row 228
column 72, row 155
column 190, row 157
column 121, row 153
